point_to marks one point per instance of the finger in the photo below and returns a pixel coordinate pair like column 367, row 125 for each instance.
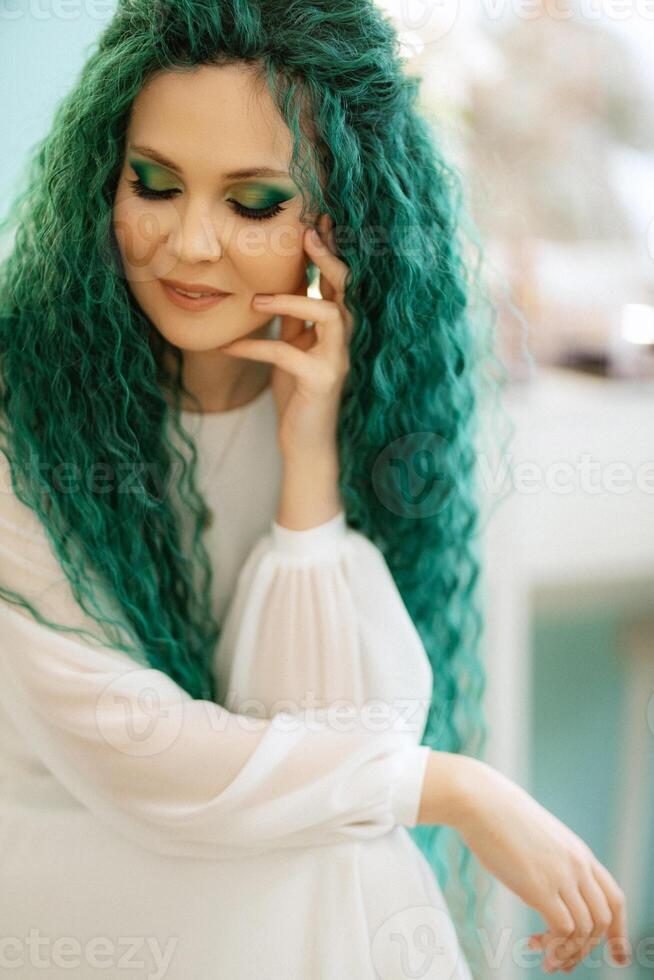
column 599, row 910
column 617, row 933
column 566, row 946
column 333, row 271
column 561, row 926
column 601, row 915
column 559, row 947
column 293, row 327
column 560, row 921
column 549, row 942
column 331, row 235
column 325, row 288
column 305, row 341
column 325, row 228
column 274, row 351
column 326, row 315
column 329, row 290
column 325, row 225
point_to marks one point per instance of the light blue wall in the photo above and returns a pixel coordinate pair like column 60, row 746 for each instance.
column 578, row 688
column 42, row 48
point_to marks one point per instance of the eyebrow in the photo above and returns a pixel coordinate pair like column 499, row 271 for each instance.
column 232, row 175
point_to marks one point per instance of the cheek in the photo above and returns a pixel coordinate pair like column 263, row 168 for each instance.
column 140, row 227
column 271, row 258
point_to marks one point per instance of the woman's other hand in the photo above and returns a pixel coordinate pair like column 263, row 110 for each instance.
column 535, row 855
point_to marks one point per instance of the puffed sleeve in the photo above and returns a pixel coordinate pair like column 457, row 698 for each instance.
column 317, row 619
column 178, row 775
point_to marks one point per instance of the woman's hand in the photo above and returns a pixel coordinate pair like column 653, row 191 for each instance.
column 547, row 865
column 309, row 365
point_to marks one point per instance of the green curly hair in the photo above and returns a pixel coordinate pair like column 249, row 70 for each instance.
column 84, row 376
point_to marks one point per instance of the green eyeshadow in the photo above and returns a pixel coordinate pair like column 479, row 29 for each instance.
column 250, row 195
column 260, row 195
column 152, row 176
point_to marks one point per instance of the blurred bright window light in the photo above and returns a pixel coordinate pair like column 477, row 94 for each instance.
column 637, row 323
column 411, row 44
column 433, row 20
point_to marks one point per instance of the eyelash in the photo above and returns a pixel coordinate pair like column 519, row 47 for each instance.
column 254, row 214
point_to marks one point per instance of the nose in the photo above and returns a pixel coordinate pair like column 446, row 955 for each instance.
column 194, row 238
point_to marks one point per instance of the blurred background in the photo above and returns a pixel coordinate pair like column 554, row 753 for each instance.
column 548, row 110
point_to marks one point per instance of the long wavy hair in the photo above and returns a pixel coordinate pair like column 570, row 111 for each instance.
column 84, row 374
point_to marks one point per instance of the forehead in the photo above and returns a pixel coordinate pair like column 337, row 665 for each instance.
column 208, row 118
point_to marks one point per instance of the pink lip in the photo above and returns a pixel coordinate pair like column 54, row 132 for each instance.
column 195, row 287
column 187, row 302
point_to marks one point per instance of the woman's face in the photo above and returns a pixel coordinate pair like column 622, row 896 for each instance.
column 201, row 221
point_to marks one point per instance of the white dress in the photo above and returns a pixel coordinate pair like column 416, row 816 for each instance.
column 145, row 834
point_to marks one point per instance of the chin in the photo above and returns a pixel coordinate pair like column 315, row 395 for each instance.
column 202, row 333
column 198, row 338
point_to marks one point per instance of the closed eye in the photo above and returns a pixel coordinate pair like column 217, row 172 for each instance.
column 255, row 214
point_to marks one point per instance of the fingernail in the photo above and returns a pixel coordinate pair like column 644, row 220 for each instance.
column 315, row 237
column 263, row 297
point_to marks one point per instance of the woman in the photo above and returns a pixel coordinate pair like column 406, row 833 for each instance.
column 184, row 796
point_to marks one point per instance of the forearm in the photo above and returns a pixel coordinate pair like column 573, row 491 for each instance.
column 309, row 497
column 448, row 788
column 309, row 494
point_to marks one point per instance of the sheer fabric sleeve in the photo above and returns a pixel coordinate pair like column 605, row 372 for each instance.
column 317, row 619
column 177, row 775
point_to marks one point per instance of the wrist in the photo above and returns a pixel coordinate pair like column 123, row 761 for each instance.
column 448, row 789
column 309, row 492
column 325, row 457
